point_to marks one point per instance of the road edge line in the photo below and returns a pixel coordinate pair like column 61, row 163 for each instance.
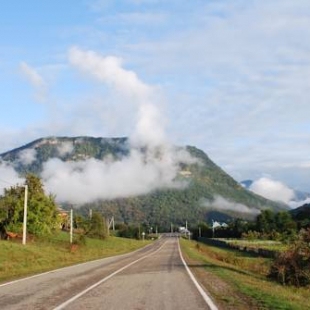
column 202, row 292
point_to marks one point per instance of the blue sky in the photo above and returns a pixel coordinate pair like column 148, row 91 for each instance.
column 232, row 77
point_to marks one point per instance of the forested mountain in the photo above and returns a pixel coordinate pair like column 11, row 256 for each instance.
column 302, row 215
column 209, row 194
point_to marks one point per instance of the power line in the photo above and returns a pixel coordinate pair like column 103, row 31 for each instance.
column 7, row 182
column 1, row 180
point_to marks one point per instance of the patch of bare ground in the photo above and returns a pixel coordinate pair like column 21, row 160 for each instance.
column 225, row 296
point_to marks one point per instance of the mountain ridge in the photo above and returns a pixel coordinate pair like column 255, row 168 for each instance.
column 209, row 188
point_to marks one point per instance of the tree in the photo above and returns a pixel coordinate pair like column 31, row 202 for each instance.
column 97, row 226
column 42, row 216
column 284, row 222
column 265, row 222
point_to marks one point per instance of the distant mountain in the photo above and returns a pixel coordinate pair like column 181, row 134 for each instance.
column 246, row 183
column 210, row 194
column 302, row 212
column 302, row 215
column 301, row 196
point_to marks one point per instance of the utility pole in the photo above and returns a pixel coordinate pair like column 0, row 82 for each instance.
column 25, row 215
column 107, row 226
column 112, row 222
column 71, row 225
column 109, row 223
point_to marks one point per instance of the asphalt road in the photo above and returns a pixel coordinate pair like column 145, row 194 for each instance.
column 151, row 278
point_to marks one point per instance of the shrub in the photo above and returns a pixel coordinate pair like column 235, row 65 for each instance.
column 97, row 227
column 293, row 266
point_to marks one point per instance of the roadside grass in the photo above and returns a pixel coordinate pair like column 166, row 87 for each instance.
column 17, row 260
column 247, row 275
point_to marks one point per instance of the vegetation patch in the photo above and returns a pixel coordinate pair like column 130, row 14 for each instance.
column 293, row 266
column 247, row 275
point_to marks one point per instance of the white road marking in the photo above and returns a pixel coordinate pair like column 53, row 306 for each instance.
column 66, row 303
column 204, row 295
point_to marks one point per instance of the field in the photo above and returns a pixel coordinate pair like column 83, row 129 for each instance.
column 238, row 280
column 17, row 260
column 258, row 244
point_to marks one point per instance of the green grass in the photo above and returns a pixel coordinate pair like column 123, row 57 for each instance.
column 17, row 260
column 258, row 244
column 247, row 275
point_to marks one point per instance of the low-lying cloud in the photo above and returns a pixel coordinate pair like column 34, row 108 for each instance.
column 65, row 148
column 27, row 156
column 221, row 204
column 8, row 177
column 84, row 181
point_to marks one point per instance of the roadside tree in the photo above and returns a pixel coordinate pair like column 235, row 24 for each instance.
column 42, row 218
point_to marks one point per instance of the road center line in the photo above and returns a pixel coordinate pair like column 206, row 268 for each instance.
column 66, row 303
column 204, row 295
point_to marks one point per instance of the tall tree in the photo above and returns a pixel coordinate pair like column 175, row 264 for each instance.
column 42, row 216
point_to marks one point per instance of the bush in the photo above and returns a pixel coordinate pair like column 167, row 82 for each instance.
column 128, row 231
column 293, row 266
column 97, row 227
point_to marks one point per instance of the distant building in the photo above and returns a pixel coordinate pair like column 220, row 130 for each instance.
column 64, row 218
column 216, row 224
column 183, row 230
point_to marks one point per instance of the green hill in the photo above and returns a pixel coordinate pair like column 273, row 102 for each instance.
column 302, row 215
column 210, row 194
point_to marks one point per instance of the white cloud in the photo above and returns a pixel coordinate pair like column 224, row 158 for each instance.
column 139, row 173
column 220, row 203
column 109, row 70
column 273, row 190
column 65, row 148
column 9, row 177
column 35, row 79
column 27, row 156
column 150, row 122
column 295, row 204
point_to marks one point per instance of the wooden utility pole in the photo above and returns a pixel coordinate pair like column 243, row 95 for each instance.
column 71, row 226
column 25, row 215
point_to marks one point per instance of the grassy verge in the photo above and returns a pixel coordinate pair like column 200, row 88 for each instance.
column 17, row 260
column 247, row 276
